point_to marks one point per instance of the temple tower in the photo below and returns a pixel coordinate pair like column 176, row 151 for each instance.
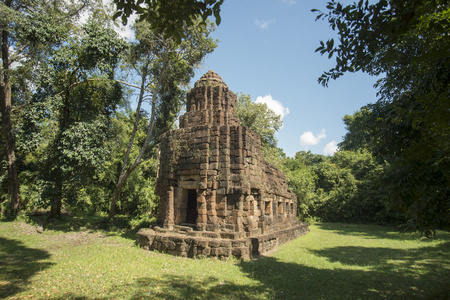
column 213, row 181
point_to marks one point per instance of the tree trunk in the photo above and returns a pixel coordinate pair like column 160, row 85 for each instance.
column 5, row 103
column 122, row 179
column 125, row 172
column 59, row 177
column 122, row 176
column 56, row 199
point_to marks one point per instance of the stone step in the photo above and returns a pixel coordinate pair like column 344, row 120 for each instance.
column 183, row 227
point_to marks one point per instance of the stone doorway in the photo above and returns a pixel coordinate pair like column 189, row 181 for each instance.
column 191, row 206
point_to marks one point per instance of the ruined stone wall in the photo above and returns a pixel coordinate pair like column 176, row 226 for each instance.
column 192, row 244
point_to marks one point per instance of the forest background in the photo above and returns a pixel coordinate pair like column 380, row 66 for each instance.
column 72, row 141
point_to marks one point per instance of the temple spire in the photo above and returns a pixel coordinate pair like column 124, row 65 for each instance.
column 210, row 102
column 210, row 78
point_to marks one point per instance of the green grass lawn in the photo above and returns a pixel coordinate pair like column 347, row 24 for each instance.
column 333, row 261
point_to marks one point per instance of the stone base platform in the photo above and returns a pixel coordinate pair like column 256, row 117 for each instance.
column 186, row 242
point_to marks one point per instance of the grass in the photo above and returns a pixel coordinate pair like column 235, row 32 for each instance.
column 333, row 261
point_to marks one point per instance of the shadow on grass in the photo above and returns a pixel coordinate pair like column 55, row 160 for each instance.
column 289, row 280
column 72, row 223
column 131, row 233
column 183, row 287
column 434, row 259
column 383, row 273
column 92, row 223
column 276, row 279
column 375, row 231
column 18, row 264
column 363, row 273
column 339, row 272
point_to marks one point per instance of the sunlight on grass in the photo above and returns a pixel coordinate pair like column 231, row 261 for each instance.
column 333, row 261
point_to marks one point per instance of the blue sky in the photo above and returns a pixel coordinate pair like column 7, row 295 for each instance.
column 266, row 49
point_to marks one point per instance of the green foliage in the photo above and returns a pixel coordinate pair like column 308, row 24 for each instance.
column 137, row 198
column 36, row 26
column 401, row 39
column 81, row 146
column 67, row 121
column 274, row 156
column 357, row 195
column 417, row 178
column 263, row 121
column 91, row 156
column 164, row 66
column 357, row 136
column 138, row 194
column 71, row 135
column 409, row 127
column 3, row 169
column 259, row 118
column 29, row 32
column 102, row 48
column 301, row 179
column 344, row 187
column 169, row 18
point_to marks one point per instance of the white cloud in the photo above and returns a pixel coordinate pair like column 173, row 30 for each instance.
column 264, row 24
column 330, row 148
column 274, row 105
column 309, row 139
column 290, row 2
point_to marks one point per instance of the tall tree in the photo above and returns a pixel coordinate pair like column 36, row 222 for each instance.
column 27, row 30
column 265, row 122
column 164, row 65
column 79, row 79
column 301, row 179
column 259, row 118
column 407, row 42
column 357, row 136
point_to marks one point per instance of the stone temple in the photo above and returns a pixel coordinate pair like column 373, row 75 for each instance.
column 218, row 195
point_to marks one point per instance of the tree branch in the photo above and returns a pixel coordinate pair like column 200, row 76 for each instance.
column 132, row 85
column 94, row 79
column 17, row 55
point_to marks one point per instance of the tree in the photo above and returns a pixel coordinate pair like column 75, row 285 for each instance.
column 417, row 174
column 259, row 118
column 164, row 65
column 169, row 18
column 137, row 197
column 262, row 120
column 79, row 80
column 301, row 179
column 28, row 29
column 357, row 136
column 408, row 43
column 343, row 187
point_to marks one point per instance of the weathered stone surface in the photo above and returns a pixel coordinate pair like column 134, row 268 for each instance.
column 181, row 245
column 214, row 184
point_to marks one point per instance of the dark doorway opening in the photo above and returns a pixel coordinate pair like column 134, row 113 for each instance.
column 191, row 210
